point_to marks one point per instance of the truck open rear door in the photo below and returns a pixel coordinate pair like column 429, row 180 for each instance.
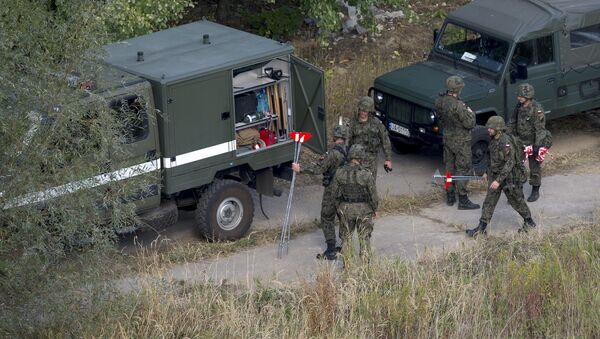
column 309, row 103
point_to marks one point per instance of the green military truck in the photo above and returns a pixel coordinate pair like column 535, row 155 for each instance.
column 227, row 101
column 213, row 110
column 495, row 46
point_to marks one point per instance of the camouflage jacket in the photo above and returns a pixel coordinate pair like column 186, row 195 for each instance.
column 505, row 160
column 528, row 123
column 371, row 134
column 328, row 163
column 457, row 119
column 355, row 184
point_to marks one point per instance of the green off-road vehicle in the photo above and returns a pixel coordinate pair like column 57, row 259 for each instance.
column 214, row 108
column 495, row 46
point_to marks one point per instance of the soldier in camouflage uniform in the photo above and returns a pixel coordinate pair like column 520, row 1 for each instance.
column 457, row 121
column 356, row 198
column 507, row 174
column 368, row 131
column 327, row 166
column 528, row 124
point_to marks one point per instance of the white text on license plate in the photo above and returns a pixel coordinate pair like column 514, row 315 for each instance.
column 399, row 129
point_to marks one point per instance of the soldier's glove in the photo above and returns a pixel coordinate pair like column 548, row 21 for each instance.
column 387, row 169
column 536, row 150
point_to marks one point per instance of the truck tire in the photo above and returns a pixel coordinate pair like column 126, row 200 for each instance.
column 225, row 211
column 480, row 140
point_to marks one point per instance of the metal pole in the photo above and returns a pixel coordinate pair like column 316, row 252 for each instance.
column 285, row 232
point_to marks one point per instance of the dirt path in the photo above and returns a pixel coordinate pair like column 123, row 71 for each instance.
column 411, row 176
column 565, row 199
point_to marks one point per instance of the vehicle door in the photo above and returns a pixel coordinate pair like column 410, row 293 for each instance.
column 540, row 57
column 202, row 126
column 308, row 99
column 134, row 109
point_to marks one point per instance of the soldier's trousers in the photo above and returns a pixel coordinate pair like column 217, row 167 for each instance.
column 457, row 161
column 371, row 164
column 328, row 213
column 514, row 193
column 535, row 171
column 359, row 217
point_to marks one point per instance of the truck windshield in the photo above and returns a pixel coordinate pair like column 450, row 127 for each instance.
column 471, row 47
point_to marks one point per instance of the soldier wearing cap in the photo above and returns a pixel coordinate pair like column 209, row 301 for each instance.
column 457, row 121
column 356, row 198
column 368, row 131
column 327, row 166
column 528, row 124
column 506, row 174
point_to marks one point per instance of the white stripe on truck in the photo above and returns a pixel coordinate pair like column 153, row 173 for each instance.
column 121, row 174
column 200, row 154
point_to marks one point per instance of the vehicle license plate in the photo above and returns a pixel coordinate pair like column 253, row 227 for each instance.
column 399, row 129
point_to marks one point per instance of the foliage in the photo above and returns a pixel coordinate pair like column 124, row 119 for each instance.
column 329, row 16
column 53, row 132
column 129, row 18
column 278, row 23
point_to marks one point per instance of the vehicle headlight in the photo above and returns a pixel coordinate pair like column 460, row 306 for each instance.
column 432, row 116
column 378, row 97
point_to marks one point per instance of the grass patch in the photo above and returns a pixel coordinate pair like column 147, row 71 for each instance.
column 409, row 204
column 539, row 285
column 184, row 252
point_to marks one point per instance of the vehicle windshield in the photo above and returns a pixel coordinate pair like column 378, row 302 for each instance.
column 468, row 46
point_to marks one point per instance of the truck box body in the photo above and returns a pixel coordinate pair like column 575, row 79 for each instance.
column 191, row 69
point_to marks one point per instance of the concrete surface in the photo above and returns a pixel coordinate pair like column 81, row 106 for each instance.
column 565, row 199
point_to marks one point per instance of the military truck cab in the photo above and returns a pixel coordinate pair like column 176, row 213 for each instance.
column 219, row 106
column 495, row 46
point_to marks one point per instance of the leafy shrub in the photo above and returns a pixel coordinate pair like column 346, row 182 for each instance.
column 129, row 18
column 279, row 23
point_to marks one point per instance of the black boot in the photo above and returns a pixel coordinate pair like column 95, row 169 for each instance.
column 465, row 204
column 450, row 198
column 480, row 229
column 535, row 194
column 527, row 225
column 330, row 253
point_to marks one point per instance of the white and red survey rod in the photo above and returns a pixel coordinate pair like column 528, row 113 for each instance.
column 449, row 178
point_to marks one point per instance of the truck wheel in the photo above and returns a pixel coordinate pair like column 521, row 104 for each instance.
column 480, row 154
column 225, row 211
column 400, row 147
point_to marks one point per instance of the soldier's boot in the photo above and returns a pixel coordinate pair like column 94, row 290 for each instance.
column 330, row 253
column 527, row 225
column 465, row 204
column 480, row 229
column 535, row 194
column 450, row 198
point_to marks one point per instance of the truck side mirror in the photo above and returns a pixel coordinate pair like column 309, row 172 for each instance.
column 436, row 32
column 519, row 73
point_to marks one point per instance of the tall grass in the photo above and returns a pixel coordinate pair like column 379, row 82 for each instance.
column 540, row 285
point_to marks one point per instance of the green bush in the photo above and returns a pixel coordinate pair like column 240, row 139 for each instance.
column 54, row 132
column 279, row 23
column 129, row 18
